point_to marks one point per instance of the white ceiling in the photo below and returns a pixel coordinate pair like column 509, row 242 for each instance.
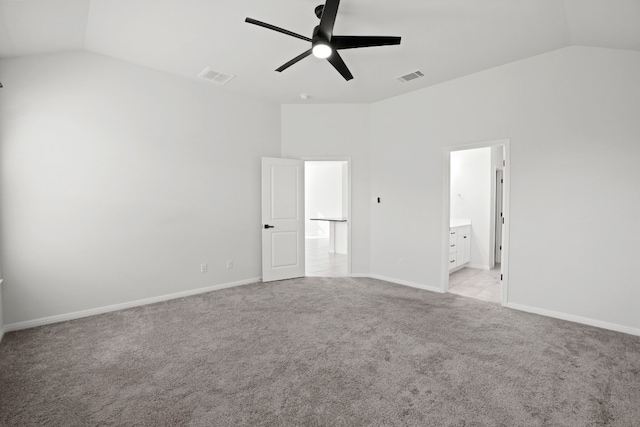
column 444, row 38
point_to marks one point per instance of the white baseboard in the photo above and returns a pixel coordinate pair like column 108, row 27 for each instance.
column 557, row 315
column 478, row 266
column 94, row 311
column 99, row 310
column 577, row 319
column 406, row 283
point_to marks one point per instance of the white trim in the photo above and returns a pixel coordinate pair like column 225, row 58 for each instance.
column 467, row 265
column 576, row 319
column 406, row 283
column 478, row 266
column 122, row 306
column 520, row 307
column 106, row 309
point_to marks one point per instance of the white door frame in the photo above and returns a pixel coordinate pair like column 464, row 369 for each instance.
column 349, row 216
column 496, row 214
column 446, row 210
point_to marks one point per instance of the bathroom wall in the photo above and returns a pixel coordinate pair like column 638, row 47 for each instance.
column 471, row 198
column 325, row 194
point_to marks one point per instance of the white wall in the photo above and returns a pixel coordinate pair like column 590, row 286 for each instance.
column 345, row 132
column 572, row 119
column 324, row 194
column 471, row 198
column 117, row 181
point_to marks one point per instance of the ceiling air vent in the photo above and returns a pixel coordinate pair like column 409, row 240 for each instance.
column 215, row 76
column 411, row 76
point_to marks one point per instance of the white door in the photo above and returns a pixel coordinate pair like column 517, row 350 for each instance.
column 282, row 219
column 499, row 216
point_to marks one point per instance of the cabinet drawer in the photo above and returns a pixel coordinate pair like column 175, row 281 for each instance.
column 453, row 244
column 452, row 260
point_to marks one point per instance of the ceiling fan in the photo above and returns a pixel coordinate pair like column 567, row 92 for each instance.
column 324, row 44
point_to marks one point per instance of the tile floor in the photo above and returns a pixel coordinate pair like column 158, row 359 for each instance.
column 476, row 283
column 319, row 262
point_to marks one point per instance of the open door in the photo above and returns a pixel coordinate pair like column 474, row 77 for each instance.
column 282, row 219
column 499, row 216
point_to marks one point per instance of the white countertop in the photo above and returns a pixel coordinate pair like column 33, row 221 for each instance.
column 459, row 222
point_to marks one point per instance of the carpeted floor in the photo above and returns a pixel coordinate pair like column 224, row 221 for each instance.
column 320, row 352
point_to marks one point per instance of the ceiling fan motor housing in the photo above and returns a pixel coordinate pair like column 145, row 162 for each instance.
column 318, row 36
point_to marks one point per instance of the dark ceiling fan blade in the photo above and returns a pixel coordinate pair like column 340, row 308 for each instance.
column 352, row 42
column 294, row 60
column 328, row 19
column 274, row 28
column 338, row 64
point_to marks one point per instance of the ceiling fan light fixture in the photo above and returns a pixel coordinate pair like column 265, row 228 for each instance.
column 324, row 42
column 321, row 50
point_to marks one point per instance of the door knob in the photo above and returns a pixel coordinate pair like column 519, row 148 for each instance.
column 269, row 226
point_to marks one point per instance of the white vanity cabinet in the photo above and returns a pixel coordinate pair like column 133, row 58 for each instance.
column 459, row 245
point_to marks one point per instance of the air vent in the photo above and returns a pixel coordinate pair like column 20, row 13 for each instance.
column 411, row 76
column 215, row 76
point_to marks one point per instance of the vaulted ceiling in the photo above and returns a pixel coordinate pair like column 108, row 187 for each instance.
column 445, row 39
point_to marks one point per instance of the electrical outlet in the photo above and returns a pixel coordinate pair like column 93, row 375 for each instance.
column 229, row 265
column 203, row 268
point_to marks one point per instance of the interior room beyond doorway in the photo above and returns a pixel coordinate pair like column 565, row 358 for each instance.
column 326, row 218
column 475, row 238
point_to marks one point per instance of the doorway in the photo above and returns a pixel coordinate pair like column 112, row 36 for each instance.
column 327, row 218
column 475, row 226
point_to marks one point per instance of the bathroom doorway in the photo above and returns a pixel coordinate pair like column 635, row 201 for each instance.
column 476, row 206
column 327, row 218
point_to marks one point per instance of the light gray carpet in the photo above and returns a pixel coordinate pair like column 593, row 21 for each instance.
column 320, row 352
